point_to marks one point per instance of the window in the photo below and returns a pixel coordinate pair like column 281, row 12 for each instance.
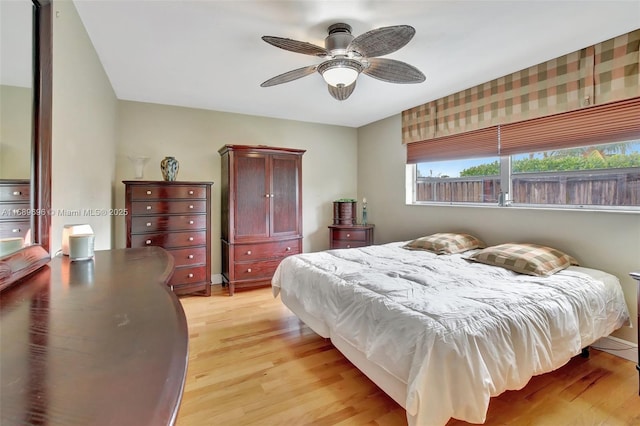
column 588, row 157
column 592, row 175
column 474, row 180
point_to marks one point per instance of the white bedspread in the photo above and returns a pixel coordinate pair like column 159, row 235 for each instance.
column 456, row 332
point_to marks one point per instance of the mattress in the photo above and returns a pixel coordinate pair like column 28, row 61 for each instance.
column 453, row 332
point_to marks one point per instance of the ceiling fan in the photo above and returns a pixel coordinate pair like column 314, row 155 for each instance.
column 346, row 57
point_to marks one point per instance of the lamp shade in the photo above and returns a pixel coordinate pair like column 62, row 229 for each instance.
column 340, row 76
column 69, row 230
column 340, row 72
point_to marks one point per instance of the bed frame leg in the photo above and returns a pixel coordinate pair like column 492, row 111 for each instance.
column 585, row 352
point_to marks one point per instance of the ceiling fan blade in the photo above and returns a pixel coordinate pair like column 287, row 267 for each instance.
column 382, row 41
column 290, row 76
column 393, row 71
column 296, row 46
column 342, row 92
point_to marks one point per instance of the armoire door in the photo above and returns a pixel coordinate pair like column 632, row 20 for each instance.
column 252, row 192
column 285, row 199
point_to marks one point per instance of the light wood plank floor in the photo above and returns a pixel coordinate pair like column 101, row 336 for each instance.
column 252, row 362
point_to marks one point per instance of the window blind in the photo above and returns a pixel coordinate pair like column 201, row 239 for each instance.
column 474, row 144
column 612, row 122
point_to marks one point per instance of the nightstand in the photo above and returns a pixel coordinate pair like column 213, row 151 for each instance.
column 349, row 236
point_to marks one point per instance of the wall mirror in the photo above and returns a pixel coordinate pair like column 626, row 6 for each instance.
column 25, row 136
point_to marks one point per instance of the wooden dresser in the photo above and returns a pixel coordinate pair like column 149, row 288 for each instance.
column 636, row 275
column 95, row 342
column 15, row 208
column 349, row 236
column 261, row 192
column 176, row 216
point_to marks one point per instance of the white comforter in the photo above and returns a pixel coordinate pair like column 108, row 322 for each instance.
column 456, row 332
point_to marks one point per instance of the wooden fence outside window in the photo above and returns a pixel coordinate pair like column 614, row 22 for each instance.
column 613, row 187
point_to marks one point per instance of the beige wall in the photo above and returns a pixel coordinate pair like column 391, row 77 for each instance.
column 194, row 137
column 15, row 132
column 602, row 240
column 84, row 130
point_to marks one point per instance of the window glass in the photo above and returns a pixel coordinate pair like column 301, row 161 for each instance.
column 606, row 175
column 595, row 175
column 466, row 181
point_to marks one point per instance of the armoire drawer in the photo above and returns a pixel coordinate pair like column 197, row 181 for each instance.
column 189, row 256
column 170, row 239
column 254, row 270
column 141, row 224
column 156, row 192
column 245, row 252
column 164, row 207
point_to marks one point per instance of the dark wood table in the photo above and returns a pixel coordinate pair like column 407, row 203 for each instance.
column 99, row 342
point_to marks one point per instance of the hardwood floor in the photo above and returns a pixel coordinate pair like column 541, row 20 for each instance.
column 252, row 362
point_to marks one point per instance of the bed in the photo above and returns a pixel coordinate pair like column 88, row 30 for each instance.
column 443, row 333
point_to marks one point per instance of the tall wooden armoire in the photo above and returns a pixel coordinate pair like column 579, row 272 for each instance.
column 261, row 191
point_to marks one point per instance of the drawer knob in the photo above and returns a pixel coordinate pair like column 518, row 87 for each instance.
column 190, row 238
column 249, row 270
column 15, row 230
column 190, row 206
column 148, row 207
column 190, row 222
column 348, row 235
column 17, row 193
column 148, row 223
column 267, row 195
column 249, row 252
column 348, row 245
column 191, row 192
column 147, row 242
column 190, row 256
column 288, row 248
column 189, row 275
column 148, row 192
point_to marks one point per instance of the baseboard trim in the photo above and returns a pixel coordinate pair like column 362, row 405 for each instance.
column 216, row 279
column 618, row 347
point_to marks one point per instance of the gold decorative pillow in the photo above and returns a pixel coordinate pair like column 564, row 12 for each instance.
column 529, row 259
column 446, row 243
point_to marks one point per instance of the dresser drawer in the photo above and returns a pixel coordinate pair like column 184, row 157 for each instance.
column 173, row 191
column 14, row 228
column 15, row 210
column 255, row 270
column 170, row 239
column 188, row 275
column 141, row 224
column 189, row 256
column 164, row 207
column 17, row 193
column 349, row 235
column 266, row 250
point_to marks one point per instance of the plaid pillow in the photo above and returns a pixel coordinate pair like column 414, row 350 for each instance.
column 529, row 259
column 446, row 243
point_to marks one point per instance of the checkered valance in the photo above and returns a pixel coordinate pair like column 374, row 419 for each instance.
column 606, row 72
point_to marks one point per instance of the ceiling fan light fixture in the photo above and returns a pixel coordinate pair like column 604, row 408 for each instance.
column 340, row 72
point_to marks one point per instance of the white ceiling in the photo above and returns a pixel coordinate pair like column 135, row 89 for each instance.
column 208, row 53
